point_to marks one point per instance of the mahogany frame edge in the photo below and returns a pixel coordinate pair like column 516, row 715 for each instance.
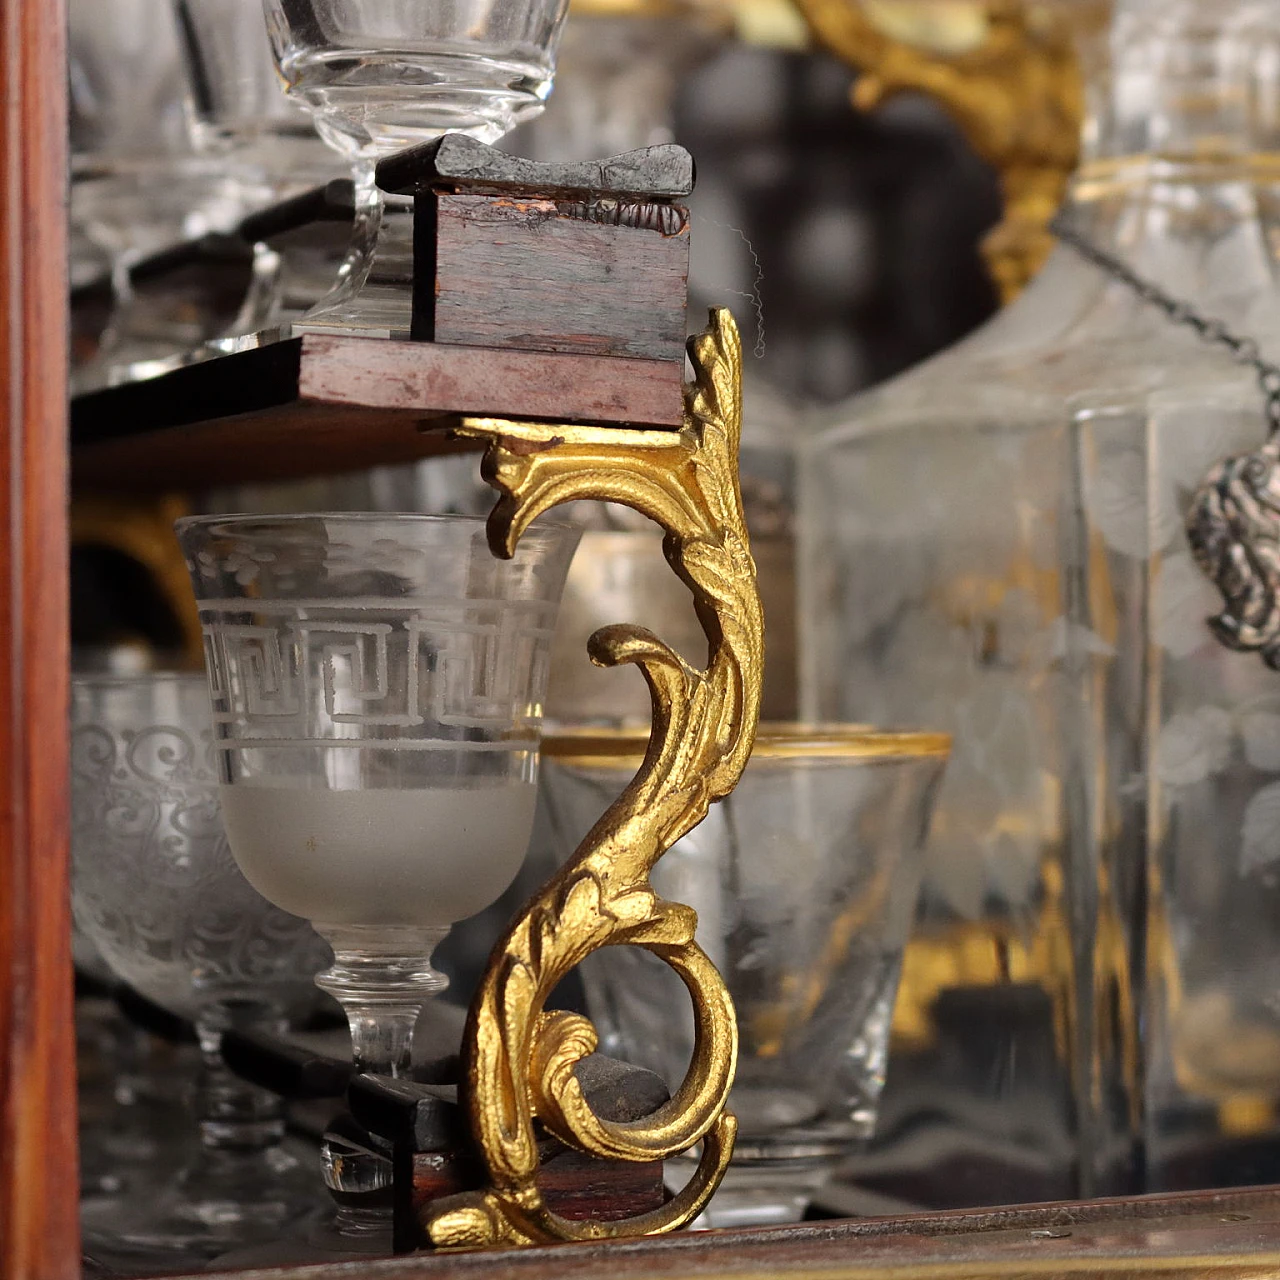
column 39, row 1213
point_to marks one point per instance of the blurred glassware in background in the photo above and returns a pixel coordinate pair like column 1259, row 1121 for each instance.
column 381, row 79
column 618, row 71
column 993, row 544
column 805, row 882
column 241, row 117
column 236, row 101
column 157, row 893
column 137, row 185
column 129, row 1117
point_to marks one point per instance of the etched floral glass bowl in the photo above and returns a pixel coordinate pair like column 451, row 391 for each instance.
column 156, row 890
column 805, row 882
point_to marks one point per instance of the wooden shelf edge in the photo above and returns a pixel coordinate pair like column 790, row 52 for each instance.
column 1226, row 1234
column 320, row 404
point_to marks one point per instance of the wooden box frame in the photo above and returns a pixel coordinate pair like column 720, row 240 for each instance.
column 1227, row 1234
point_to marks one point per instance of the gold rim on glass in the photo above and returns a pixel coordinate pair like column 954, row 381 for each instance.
column 774, row 741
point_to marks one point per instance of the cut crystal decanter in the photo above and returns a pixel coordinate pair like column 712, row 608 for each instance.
column 993, row 545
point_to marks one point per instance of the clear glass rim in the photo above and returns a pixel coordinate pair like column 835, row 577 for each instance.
column 778, row 740
column 244, row 519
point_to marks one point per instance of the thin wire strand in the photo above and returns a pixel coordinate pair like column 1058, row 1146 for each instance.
column 1244, row 351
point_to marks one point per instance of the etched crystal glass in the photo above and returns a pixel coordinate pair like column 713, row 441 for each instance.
column 155, row 889
column 379, row 77
column 805, row 882
column 377, row 687
column 994, row 544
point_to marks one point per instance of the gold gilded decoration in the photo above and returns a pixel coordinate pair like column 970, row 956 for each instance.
column 1017, row 93
column 774, row 741
column 520, row 1059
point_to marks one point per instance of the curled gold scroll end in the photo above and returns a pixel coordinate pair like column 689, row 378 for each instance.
column 520, row 1062
column 473, row 1220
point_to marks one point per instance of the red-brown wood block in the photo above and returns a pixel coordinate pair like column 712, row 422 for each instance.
column 603, row 276
column 574, row 1185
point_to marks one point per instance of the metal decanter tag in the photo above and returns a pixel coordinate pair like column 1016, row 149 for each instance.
column 1233, row 526
column 1233, row 521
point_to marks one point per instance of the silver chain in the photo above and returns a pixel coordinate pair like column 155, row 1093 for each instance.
column 1243, row 351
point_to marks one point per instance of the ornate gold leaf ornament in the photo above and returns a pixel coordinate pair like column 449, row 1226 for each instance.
column 520, row 1059
column 1006, row 70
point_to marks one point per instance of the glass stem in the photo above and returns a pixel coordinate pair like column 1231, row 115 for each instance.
column 383, row 978
column 234, row 1115
column 374, row 292
column 123, row 302
column 261, row 305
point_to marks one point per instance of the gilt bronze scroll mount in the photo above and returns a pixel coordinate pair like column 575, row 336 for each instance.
column 519, row 1060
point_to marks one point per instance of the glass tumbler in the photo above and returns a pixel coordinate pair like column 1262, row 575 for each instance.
column 383, row 75
column 805, row 882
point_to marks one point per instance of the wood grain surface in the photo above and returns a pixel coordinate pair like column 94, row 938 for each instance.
column 608, row 278
column 320, row 405
column 1229, row 1235
column 38, row 1181
column 374, row 373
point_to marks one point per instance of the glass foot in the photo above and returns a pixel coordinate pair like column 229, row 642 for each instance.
column 373, row 296
column 756, row 1193
column 217, row 1205
column 321, row 1238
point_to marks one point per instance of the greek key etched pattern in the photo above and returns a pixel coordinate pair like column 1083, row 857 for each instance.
column 304, row 670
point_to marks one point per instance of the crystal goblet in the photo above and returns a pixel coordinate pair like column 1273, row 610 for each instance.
column 379, row 77
column 805, row 882
column 157, row 892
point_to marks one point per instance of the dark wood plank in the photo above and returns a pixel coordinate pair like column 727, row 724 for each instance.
column 608, row 277
column 247, row 382
column 38, row 1210
column 320, row 405
column 1233, row 1235
column 376, row 374
column 575, row 1186
column 288, row 443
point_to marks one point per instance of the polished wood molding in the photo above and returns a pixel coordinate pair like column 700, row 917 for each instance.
column 38, row 1182
column 1222, row 1235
